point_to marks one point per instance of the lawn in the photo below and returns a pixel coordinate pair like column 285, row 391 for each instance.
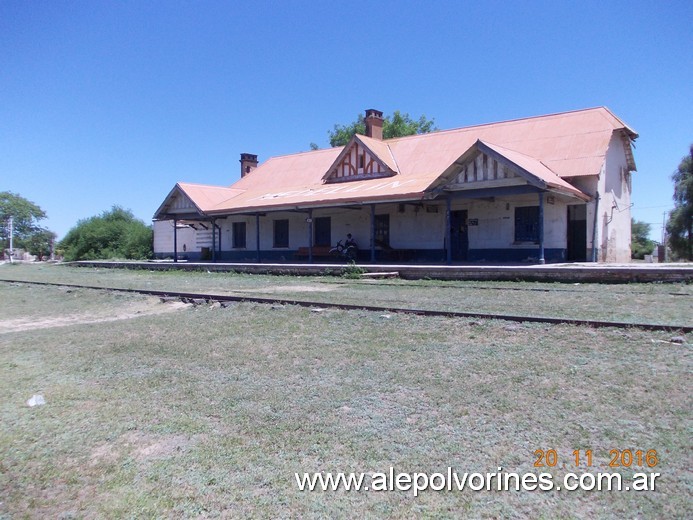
column 667, row 304
column 156, row 410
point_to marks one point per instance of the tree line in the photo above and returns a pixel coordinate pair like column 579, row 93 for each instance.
column 115, row 233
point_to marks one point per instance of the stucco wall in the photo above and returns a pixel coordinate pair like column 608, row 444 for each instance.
column 614, row 213
column 418, row 227
column 163, row 238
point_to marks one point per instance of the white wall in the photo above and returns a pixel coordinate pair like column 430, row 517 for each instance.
column 614, row 208
column 414, row 228
column 496, row 228
column 163, row 237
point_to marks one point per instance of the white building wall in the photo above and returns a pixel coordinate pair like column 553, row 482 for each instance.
column 612, row 234
column 496, row 221
column 163, row 238
column 411, row 227
column 416, row 227
column 614, row 210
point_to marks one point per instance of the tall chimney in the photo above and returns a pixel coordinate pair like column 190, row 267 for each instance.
column 374, row 124
column 248, row 163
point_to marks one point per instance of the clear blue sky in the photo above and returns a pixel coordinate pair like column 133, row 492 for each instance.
column 105, row 102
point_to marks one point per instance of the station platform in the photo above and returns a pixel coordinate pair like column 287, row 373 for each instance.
column 562, row 273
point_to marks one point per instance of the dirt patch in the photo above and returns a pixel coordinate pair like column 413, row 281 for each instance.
column 142, row 447
column 105, row 454
column 132, row 310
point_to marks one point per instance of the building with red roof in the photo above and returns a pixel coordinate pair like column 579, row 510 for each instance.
column 552, row 188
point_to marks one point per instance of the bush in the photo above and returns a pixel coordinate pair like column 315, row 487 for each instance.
column 353, row 271
column 113, row 234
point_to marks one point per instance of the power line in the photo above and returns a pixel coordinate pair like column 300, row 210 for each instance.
column 653, row 207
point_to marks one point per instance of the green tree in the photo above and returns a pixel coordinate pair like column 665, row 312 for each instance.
column 680, row 224
column 40, row 243
column 25, row 219
column 113, row 234
column 396, row 125
column 640, row 244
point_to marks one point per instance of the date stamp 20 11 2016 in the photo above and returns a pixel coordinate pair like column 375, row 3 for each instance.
column 584, row 458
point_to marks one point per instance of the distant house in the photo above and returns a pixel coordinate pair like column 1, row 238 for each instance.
column 552, row 188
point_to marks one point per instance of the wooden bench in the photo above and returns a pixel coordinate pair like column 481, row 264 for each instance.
column 318, row 251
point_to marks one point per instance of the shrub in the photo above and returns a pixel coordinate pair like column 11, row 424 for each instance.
column 113, row 234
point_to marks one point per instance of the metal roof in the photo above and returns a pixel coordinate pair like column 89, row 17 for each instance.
column 553, row 148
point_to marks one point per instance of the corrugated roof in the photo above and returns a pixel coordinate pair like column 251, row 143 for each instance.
column 568, row 144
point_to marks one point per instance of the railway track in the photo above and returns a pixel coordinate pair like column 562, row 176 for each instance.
column 490, row 287
column 374, row 308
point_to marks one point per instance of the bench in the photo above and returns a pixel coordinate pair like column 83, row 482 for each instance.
column 318, row 251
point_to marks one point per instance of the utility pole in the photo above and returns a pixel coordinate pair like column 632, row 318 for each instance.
column 11, row 237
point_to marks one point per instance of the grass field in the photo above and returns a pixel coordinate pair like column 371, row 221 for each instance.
column 159, row 410
column 668, row 304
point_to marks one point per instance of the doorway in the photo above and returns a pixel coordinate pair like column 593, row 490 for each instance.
column 459, row 241
column 577, row 233
column 323, row 231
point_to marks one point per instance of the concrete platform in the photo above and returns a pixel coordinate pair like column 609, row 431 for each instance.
column 565, row 273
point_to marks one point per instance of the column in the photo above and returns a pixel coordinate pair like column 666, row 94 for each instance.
column 310, row 236
column 541, row 228
column 214, row 241
column 175, row 240
column 219, row 242
column 257, row 235
column 448, row 229
column 373, row 233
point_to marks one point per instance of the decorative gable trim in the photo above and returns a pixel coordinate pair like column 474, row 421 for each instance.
column 177, row 204
column 485, row 166
column 358, row 161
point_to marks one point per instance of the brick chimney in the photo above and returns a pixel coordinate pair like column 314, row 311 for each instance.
column 374, row 124
column 248, row 163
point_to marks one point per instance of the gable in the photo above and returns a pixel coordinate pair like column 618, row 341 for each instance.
column 177, row 204
column 363, row 158
column 193, row 200
column 485, row 166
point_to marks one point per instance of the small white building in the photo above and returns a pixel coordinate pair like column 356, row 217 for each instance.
column 552, row 188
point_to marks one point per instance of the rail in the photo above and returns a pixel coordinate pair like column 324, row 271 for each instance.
column 347, row 306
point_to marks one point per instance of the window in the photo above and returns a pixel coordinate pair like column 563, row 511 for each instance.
column 527, row 224
column 239, row 235
column 281, row 233
column 382, row 230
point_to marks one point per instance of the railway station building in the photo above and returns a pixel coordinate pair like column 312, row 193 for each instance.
column 553, row 188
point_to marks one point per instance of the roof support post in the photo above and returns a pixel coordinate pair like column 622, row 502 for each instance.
column 257, row 236
column 372, row 233
column 214, row 241
column 310, row 236
column 175, row 239
column 541, row 228
column 594, row 228
column 219, row 241
column 448, row 230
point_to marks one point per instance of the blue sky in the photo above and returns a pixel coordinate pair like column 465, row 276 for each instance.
column 105, row 102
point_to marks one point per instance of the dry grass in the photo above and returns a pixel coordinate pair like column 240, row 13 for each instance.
column 209, row 412
column 668, row 304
